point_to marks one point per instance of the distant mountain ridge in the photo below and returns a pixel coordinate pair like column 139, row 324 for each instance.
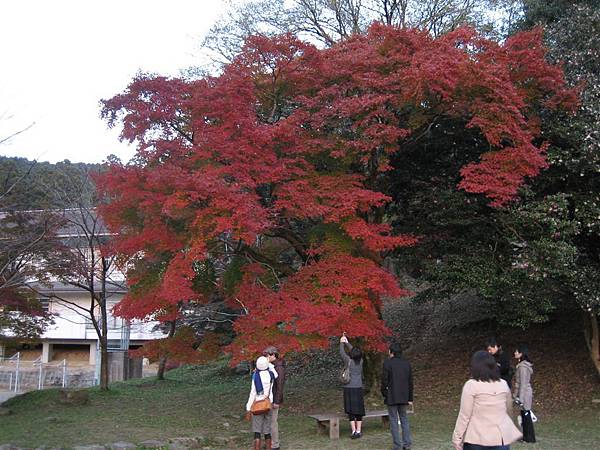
column 27, row 185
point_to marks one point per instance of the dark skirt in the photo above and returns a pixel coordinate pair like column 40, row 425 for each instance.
column 354, row 402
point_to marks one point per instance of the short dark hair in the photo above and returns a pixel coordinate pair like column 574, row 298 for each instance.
column 271, row 350
column 490, row 342
column 356, row 354
column 523, row 349
column 395, row 349
column 484, row 367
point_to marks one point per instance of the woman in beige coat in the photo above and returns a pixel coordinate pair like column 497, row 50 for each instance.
column 483, row 422
column 524, row 391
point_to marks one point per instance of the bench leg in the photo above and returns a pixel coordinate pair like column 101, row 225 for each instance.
column 386, row 421
column 334, row 428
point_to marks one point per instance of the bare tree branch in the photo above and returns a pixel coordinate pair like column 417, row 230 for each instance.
column 16, row 133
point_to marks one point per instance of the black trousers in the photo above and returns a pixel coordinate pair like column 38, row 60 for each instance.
column 527, row 425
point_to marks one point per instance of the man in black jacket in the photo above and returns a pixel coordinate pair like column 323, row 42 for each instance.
column 397, row 391
column 279, row 364
column 502, row 359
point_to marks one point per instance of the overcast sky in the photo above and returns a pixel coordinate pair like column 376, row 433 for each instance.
column 58, row 58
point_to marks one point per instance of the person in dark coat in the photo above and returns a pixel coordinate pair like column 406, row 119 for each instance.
column 279, row 365
column 502, row 360
column 354, row 403
column 397, row 391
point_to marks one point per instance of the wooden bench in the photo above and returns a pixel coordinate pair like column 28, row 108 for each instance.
column 328, row 420
column 333, row 422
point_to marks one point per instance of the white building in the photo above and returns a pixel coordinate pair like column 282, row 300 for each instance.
column 72, row 338
column 68, row 349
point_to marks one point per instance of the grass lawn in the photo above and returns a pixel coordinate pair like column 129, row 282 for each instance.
column 208, row 401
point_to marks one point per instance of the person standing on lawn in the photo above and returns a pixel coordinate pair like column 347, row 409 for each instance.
column 502, row 360
column 524, row 391
column 483, row 422
column 272, row 353
column 262, row 387
column 397, row 391
column 354, row 404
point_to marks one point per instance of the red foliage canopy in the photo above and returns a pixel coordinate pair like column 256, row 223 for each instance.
column 288, row 140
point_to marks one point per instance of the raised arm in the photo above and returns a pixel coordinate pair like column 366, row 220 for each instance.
column 273, row 370
column 343, row 353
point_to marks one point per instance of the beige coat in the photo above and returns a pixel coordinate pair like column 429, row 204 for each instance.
column 483, row 417
column 523, row 388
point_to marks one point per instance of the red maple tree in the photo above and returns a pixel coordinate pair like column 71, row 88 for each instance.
column 276, row 162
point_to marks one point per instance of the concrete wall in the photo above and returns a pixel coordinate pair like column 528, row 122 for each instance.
column 121, row 367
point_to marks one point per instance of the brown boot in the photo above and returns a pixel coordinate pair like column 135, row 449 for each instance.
column 268, row 444
column 257, row 444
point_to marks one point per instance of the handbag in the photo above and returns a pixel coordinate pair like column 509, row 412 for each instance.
column 534, row 419
column 261, row 407
column 345, row 375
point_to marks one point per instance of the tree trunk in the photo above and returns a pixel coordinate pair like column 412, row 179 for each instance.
column 162, row 362
column 103, row 346
column 592, row 333
column 104, row 318
column 103, row 364
column 372, row 373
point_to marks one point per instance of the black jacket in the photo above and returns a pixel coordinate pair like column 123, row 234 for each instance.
column 397, row 381
column 279, row 381
column 503, row 361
